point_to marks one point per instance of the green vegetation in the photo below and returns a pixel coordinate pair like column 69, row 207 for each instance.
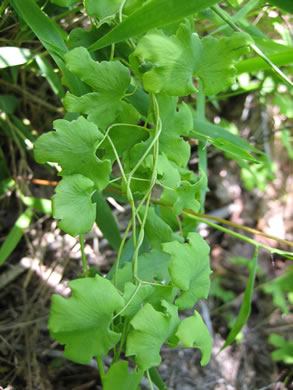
column 135, row 82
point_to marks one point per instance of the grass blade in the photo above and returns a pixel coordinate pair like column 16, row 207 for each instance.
column 246, row 305
column 253, row 64
column 215, row 132
column 52, row 37
column 15, row 234
column 155, row 13
column 106, row 221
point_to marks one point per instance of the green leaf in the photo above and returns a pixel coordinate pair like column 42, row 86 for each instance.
column 64, row 3
column 284, row 4
column 102, row 8
column 44, row 28
column 40, row 204
column 253, row 64
column 189, row 269
column 51, row 36
column 285, row 104
column 183, row 197
column 82, row 321
column 109, row 80
column 151, row 329
column 152, row 266
column 135, row 298
column 245, row 309
column 157, row 230
column 73, row 206
column 119, row 377
column 172, row 61
column 206, row 129
column 48, row 72
column 124, row 137
column 15, row 234
column 284, row 351
column 193, row 333
column 8, row 103
column 73, row 146
column 278, row 288
column 12, row 56
column 106, row 221
column 153, row 14
column 176, row 123
column 218, row 56
column 233, row 151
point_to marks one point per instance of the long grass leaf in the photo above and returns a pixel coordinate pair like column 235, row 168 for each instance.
column 253, row 64
column 153, row 14
column 246, row 305
column 52, row 37
column 215, row 132
column 106, row 222
column 15, row 234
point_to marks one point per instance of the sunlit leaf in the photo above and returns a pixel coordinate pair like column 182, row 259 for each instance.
column 119, row 377
column 82, row 322
column 216, row 67
column 109, row 81
column 101, row 8
column 73, row 146
column 189, row 269
column 151, row 329
column 72, row 204
column 172, row 61
column 192, row 332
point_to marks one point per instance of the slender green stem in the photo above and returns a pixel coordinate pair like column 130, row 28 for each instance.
column 223, row 15
column 121, row 11
column 83, row 256
column 122, row 341
column 120, row 252
column 147, row 197
column 150, row 380
column 202, row 150
column 156, row 379
column 101, row 369
column 3, row 6
column 129, row 302
column 237, row 235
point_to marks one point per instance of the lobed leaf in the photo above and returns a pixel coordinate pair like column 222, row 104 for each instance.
column 82, row 322
column 192, row 332
column 189, row 269
column 102, row 8
column 217, row 58
column 172, row 61
column 176, row 123
column 73, row 146
column 109, row 80
column 73, row 206
column 151, row 329
column 119, row 377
